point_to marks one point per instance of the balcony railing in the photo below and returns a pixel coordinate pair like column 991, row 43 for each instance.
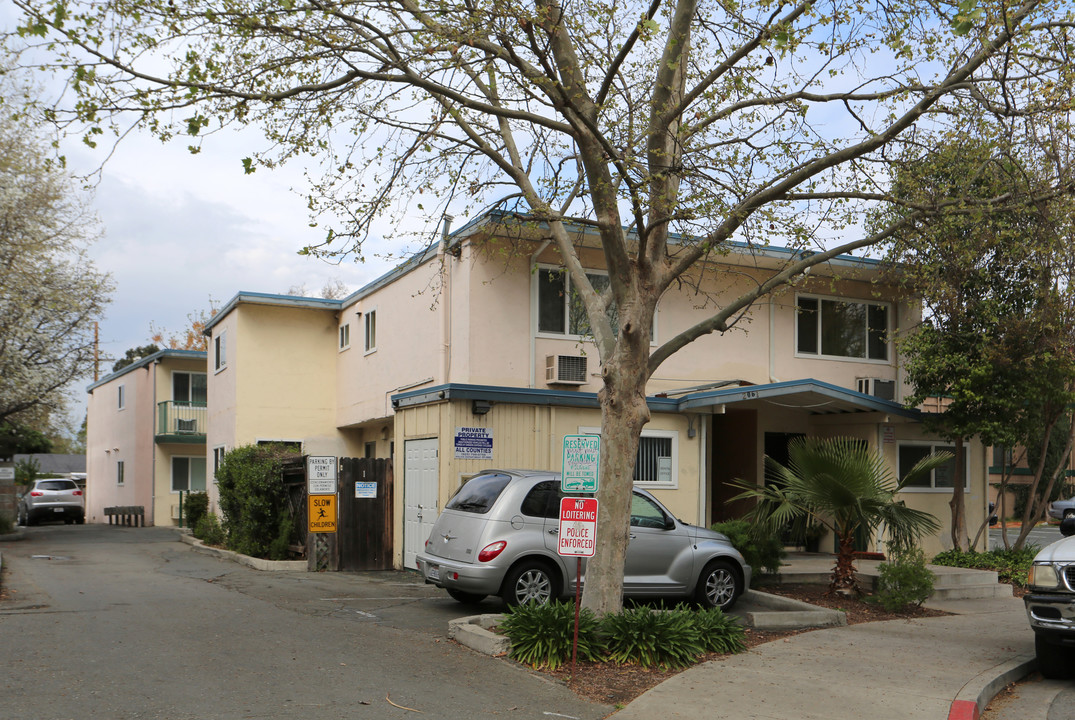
column 181, row 421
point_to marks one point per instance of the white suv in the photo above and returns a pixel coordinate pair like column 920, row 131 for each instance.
column 52, row 500
column 1050, row 606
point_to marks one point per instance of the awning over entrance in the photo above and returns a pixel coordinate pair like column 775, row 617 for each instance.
column 811, row 396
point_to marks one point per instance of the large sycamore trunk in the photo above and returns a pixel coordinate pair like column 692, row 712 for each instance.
column 623, row 414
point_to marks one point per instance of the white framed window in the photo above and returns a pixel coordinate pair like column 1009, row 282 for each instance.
column 560, row 310
column 119, row 472
column 371, row 331
column 121, row 397
column 838, row 328
column 345, row 336
column 188, row 474
column 220, row 352
column 657, row 463
column 189, row 388
column 940, row 479
column 218, row 457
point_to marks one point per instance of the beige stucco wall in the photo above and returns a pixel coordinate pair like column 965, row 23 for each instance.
column 411, row 313
column 114, row 435
column 279, row 382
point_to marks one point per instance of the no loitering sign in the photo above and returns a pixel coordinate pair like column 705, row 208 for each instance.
column 578, row 527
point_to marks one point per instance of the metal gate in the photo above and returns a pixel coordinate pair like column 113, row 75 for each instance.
column 365, row 514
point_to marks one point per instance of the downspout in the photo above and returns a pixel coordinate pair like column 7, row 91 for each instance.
column 704, row 469
column 533, row 314
column 446, row 301
column 772, row 341
column 153, row 454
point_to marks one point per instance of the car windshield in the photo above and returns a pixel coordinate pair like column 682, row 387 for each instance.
column 56, row 485
column 478, row 494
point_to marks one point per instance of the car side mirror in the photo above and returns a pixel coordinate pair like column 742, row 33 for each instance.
column 1067, row 527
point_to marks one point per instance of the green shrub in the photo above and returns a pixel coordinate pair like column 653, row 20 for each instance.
column 542, row 635
column 653, row 638
column 195, row 506
column 254, row 502
column 762, row 552
column 719, row 633
column 905, row 581
column 1012, row 566
column 208, row 530
column 6, row 524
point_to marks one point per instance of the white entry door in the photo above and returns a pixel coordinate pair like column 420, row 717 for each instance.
column 420, row 480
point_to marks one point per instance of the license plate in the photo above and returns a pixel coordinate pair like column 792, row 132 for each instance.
column 57, row 509
column 432, row 572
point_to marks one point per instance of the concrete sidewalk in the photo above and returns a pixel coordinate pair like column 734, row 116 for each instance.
column 930, row 668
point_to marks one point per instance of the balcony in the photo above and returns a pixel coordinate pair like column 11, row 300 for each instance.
column 181, row 422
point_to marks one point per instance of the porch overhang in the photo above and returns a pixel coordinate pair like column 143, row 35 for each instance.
column 810, row 396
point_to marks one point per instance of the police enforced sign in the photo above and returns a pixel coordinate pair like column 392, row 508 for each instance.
column 578, row 527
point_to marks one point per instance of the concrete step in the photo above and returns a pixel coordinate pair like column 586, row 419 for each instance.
column 951, row 577
column 971, row 592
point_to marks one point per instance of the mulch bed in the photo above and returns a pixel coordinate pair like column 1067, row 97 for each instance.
column 614, row 684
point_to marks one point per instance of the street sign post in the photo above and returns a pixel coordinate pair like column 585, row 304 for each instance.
column 578, row 537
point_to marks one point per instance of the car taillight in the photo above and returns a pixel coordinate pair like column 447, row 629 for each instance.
column 36, row 493
column 77, row 492
column 491, row 551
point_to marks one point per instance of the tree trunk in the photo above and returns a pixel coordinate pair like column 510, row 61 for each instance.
column 624, row 412
column 959, row 513
column 843, row 574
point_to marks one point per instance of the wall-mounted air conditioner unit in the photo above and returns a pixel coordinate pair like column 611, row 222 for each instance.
column 884, row 389
column 565, row 369
column 175, row 512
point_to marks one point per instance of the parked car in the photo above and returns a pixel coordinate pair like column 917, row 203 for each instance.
column 1062, row 509
column 52, row 500
column 498, row 536
column 1050, row 605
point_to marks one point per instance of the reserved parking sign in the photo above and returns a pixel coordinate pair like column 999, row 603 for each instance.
column 578, row 527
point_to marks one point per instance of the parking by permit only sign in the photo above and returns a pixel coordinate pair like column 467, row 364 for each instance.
column 578, row 527
column 320, row 475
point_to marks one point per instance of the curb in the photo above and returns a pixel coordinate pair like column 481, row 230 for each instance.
column 980, row 690
column 473, row 632
column 251, row 562
column 775, row 612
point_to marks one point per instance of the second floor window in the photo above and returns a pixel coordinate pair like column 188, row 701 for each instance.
column 220, row 348
column 842, row 328
column 121, row 397
column 560, row 307
column 345, row 336
column 189, row 388
column 371, row 331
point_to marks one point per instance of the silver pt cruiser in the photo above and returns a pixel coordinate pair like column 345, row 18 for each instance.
column 498, row 536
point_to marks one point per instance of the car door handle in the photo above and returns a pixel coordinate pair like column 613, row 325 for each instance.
column 554, row 531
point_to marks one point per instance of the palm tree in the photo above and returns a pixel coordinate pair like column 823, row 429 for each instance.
column 843, row 485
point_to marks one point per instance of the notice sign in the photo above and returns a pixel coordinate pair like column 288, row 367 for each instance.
column 320, row 475
column 473, row 443
column 366, row 490
column 582, row 459
column 578, row 527
column 322, row 513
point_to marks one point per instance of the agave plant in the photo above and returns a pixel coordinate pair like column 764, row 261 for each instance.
column 843, row 485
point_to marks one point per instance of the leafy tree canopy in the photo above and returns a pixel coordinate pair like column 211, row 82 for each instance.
column 51, row 293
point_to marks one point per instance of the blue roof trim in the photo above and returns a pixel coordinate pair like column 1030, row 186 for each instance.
column 160, row 354
column 687, row 403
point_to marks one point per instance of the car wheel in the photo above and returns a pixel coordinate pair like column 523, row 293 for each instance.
column 465, row 597
column 529, row 582
column 718, row 585
column 1068, row 514
column 80, row 520
column 1052, row 659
